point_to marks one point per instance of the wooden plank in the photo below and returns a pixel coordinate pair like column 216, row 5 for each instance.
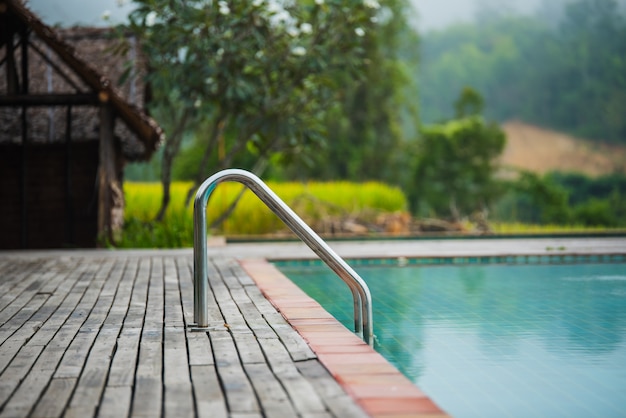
column 228, row 308
column 115, row 402
column 277, row 356
column 154, row 307
column 117, row 314
column 200, row 351
column 228, row 276
column 76, row 344
column 317, row 415
column 246, row 415
column 215, row 317
column 184, row 267
column 239, row 393
column 17, row 370
column 272, row 396
column 76, row 354
column 147, row 398
column 37, row 380
column 53, row 403
column 64, row 299
column 210, row 401
column 295, row 344
column 137, row 308
column 298, row 349
column 90, row 387
column 107, row 317
column 173, row 315
column 33, row 385
column 248, row 348
column 117, row 397
column 122, row 371
column 244, row 279
column 29, row 331
column 300, row 391
column 10, row 347
column 334, row 397
column 20, row 296
column 302, row 394
column 260, row 301
column 148, row 395
column 22, row 278
column 178, row 392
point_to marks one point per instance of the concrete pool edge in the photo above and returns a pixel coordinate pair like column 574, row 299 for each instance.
column 374, row 383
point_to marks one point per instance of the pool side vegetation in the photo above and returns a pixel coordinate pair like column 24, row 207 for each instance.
column 340, row 209
column 315, row 202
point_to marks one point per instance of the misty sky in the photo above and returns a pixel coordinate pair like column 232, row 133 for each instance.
column 432, row 14
column 435, row 14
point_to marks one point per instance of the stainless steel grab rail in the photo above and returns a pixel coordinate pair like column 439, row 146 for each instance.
column 363, row 325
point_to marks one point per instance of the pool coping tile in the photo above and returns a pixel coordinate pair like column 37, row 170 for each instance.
column 375, row 384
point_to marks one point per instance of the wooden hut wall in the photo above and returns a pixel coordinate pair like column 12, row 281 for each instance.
column 66, row 131
column 52, row 201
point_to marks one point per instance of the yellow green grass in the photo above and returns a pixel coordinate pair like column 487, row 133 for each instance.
column 521, row 228
column 312, row 201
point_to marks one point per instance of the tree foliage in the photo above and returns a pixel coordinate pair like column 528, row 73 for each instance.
column 377, row 113
column 260, row 73
column 455, row 169
column 566, row 71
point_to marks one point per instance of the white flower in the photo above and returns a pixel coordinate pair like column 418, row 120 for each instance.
column 274, row 7
column 257, row 3
column 306, row 28
column 319, row 2
column 151, row 19
column 182, row 54
column 293, row 32
column 298, row 50
column 106, row 15
column 372, row 4
column 224, row 9
column 209, row 80
column 220, row 52
column 259, row 54
column 374, row 19
column 197, row 103
column 359, row 32
column 282, row 16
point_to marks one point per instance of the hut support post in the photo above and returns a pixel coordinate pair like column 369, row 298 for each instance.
column 106, row 172
column 69, row 198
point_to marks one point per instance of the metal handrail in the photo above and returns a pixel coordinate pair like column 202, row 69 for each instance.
column 362, row 299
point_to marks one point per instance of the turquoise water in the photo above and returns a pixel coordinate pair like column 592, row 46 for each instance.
column 497, row 340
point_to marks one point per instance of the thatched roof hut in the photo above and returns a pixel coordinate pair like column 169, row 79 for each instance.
column 66, row 131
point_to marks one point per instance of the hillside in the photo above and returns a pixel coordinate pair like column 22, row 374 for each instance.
column 541, row 150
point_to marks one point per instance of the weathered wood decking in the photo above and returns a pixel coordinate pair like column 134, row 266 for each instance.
column 85, row 336
column 104, row 333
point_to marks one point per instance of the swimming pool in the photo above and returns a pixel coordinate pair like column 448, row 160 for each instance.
column 532, row 340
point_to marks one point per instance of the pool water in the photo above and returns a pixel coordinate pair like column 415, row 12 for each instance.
column 496, row 340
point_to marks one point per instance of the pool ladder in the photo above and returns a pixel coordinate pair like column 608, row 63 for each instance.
column 360, row 292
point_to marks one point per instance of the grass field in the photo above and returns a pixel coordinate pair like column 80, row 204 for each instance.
column 311, row 201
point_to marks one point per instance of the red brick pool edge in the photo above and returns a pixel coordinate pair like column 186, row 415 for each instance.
column 374, row 383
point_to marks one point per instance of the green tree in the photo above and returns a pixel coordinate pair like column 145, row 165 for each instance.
column 376, row 113
column 454, row 174
column 260, row 73
column 541, row 200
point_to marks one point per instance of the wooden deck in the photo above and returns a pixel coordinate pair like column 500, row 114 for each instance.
column 98, row 335
column 104, row 333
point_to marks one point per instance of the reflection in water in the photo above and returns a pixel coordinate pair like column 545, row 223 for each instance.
column 493, row 337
